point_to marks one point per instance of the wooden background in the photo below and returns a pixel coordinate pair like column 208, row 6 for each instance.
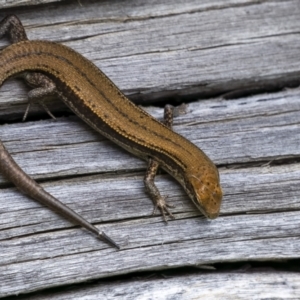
column 204, row 53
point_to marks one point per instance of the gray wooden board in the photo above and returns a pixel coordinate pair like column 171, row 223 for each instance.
column 214, row 286
column 167, row 49
column 16, row 3
column 154, row 49
column 254, row 129
column 260, row 213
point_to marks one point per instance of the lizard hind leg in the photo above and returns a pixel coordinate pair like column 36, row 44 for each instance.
column 44, row 88
column 12, row 27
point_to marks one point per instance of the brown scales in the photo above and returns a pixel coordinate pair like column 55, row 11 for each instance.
column 97, row 101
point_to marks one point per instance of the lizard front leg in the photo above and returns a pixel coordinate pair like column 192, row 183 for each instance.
column 158, row 200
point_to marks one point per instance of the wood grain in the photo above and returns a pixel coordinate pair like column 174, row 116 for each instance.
column 259, row 220
column 256, row 129
column 215, row 286
column 153, row 50
column 16, row 3
column 159, row 50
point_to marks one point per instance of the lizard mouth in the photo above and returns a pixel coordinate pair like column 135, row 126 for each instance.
column 212, row 215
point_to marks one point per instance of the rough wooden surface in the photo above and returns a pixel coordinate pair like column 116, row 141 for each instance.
column 152, row 50
column 156, row 49
column 36, row 243
column 16, row 3
column 267, row 285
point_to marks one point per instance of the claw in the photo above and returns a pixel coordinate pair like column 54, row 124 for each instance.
column 164, row 208
column 26, row 112
column 47, row 110
column 44, row 106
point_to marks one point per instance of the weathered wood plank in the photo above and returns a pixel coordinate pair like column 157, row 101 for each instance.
column 44, row 242
column 166, row 49
column 108, row 199
column 46, row 260
column 16, row 3
column 254, row 129
column 153, row 50
column 214, row 286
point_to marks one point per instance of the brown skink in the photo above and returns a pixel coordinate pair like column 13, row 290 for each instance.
column 54, row 69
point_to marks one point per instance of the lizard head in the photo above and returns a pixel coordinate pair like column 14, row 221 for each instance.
column 203, row 187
